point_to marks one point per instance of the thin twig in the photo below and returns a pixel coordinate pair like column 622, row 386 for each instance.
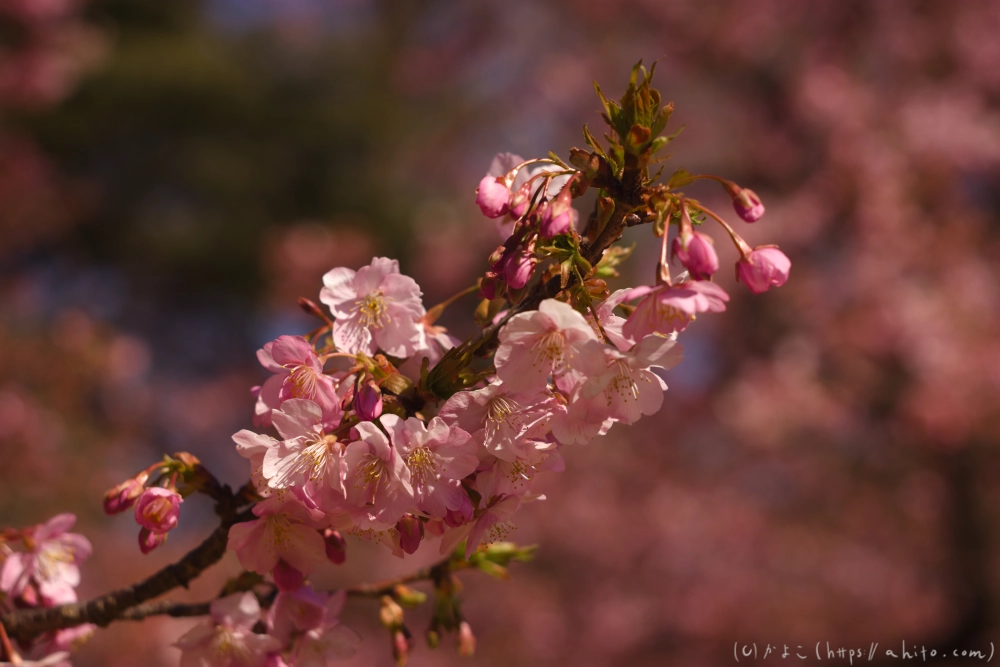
column 430, row 573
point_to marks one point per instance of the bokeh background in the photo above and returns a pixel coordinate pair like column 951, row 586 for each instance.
column 173, row 175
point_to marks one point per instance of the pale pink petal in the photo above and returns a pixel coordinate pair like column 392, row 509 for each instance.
column 297, row 417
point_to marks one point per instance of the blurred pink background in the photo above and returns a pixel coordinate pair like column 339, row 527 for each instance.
column 174, row 175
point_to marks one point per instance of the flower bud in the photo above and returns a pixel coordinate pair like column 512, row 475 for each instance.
column 520, row 201
column 748, row 205
column 461, row 516
column 557, row 218
column 764, row 268
column 433, row 638
column 697, row 253
column 336, row 548
column 286, row 577
column 518, row 267
column 411, row 531
column 493, row 196
column 368, row 402
column 149, row 540
column 390, row 615
column 401, row 645
column 488, row 286
column 408, row 597
column 158, row 509
column 123, row 496
column 466, row 640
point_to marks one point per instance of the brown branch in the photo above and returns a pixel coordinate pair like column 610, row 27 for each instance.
column 387, row 586
column 165, row 608
column 27, row 623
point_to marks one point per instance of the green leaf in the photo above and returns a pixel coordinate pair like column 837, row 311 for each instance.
column 592, row 142
column 555, row 158
column 680, row 178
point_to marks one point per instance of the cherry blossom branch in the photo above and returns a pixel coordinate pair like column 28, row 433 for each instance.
column 101, row 611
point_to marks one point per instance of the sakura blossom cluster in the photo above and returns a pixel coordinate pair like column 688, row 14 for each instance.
column 45, row 573
column 378, row 424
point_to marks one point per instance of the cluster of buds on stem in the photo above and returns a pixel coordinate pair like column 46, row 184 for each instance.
column 155, row 496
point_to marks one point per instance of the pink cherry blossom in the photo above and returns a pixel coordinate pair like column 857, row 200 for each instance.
column 620, row 385
column 158, row 509
column 494, row 524
column 378, row 481
column 306, row 454
column 375, row 308
column 503, row 421
column 499, row 477
column 435, row 454
column 52, row 562
column 764, row 268
column 300, row 610
column 298, row 373
column 286, row 530
column 697, row 253
column 668, row 308
column 227, row 638
column 312, row 620
column 540, row 343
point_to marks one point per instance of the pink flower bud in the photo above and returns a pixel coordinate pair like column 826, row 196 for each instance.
column 747, row 205
column 368, row 402
column 518, row 267
column 401, row 645
column 466, row 640
column 149, row 540
column 697, row 254
column 286, row 577
column 158, row 509
column 488, row 286
column 411, row 531
column 557, row 218
column 123, row 496
column 520, row 200
column 765, row 267
column 336, row 548
column 461, row 516
column 493, row 196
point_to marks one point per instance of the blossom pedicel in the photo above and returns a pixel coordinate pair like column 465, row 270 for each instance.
column 382, row 426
